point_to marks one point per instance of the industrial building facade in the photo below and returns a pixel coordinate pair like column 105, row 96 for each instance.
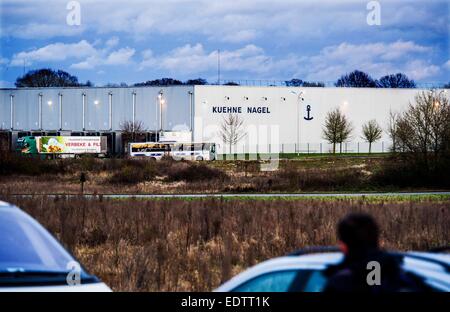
column 274, row 119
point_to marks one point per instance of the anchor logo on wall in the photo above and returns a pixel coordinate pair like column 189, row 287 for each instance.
column 308, row 113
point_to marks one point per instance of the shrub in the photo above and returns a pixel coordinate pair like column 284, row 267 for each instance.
column 293, row 179
column 95, row 237
column 90, row 164
column 132, row 174
column 191, row 172
column 251, row 166
column 401, row 172
column 13, row 164
column 422, row 135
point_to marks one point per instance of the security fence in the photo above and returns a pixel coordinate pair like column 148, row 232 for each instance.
column 305, row 148
column 323, row 84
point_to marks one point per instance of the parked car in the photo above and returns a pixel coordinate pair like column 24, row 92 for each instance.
column 31, row 259
column 303, row 271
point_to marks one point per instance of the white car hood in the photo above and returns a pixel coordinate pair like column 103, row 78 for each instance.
column 94, row 287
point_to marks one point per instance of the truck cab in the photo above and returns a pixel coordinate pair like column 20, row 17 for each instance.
column 26, row 145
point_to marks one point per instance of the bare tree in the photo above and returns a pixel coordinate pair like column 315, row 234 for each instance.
column 130, row 131
column 337, row 128
column 398, row 80
column 356, row 79
column 47, row 77
column 231, row 130
column 392, row 129
column 371, row 132
column 423, row 130
column 130, row 128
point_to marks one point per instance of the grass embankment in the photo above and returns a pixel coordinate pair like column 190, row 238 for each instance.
column 367, row 198
column 194, row 245
column 306, row 174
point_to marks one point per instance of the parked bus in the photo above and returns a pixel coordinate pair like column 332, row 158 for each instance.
column 153, row 150
column 193, row 151
column 179, row 151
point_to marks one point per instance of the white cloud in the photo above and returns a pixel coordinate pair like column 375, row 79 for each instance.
column 192, row 59
column 54, row 52
column 148, row 60
column 447, row 65
column 378, row 59
column 89, row 54
column 41, row 30
column 112, row 42
column 89, row 63
column 419, row 69
column 229, row 21
column 103, row 57
column 120, row 57
column 238, row 37
column 6, row 84
column 247, row 62
column 398, row 49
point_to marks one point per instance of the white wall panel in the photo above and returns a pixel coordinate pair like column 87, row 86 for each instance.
column 72, row 109
column 285, row 113
column 5, row 110
column 26, row 109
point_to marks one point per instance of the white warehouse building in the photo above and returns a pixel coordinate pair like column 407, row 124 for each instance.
column 274, row 119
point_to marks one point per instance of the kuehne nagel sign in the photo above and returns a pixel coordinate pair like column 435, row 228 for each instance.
column 240, row 110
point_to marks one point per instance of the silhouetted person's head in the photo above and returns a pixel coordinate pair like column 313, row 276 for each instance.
column 358, row 232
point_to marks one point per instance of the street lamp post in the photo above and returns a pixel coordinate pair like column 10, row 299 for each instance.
column 161, row 103
column 83, row 103
column 110, row 99
column 40, row 112
column 134, row 110
column 11, row 104
column 191, row 114
column 60, row 99
column 299, row 100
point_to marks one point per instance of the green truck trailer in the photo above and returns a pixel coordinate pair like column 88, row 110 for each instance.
column 63, row 146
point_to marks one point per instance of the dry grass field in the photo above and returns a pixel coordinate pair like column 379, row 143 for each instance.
column 195, row 244
column 307, row 174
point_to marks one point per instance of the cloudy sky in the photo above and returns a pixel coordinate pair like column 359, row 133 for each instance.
column 136, row 40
